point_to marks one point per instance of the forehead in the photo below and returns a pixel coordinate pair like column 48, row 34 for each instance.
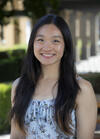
column 49, row 29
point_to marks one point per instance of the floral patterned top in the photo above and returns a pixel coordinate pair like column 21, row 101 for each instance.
column 39, row 121
column 40, row 124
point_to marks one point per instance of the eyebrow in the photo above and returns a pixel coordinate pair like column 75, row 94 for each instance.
column 39, row 35
column 55, row 36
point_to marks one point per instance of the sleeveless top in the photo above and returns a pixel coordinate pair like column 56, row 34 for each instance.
column 40, row 124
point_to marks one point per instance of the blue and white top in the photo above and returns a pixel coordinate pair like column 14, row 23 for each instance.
column 40, row 124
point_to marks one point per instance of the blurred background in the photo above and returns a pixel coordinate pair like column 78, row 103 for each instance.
column 17, row 17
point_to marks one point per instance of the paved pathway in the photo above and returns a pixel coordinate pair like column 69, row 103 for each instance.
column 90, row 65
column 5, row 137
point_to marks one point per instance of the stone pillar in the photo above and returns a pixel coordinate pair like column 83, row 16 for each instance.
column 85, row 33
column 18, row 5
column 75, row 30
column 78, row 41
column 69, row 17
column 9, row 34
column 98, row 40
column 72, row 28
column 66, row 15
column 93, row 50
column 94, row 34
column 88, row 34
column 25, row 29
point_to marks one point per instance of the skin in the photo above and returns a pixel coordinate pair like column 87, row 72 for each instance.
column 15, row 132
column 86, row 110
column 49, row 40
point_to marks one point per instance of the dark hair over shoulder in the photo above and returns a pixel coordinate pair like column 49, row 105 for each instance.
column 31, row 71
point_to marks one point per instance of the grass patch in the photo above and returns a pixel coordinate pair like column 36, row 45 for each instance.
column 5, row 105
column 14, row 47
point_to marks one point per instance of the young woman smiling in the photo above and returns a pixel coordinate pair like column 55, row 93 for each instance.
column 49, row 99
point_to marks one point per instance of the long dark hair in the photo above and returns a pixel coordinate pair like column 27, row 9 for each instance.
column 31, row 71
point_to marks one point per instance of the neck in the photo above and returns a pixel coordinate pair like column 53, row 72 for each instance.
column 50, row 72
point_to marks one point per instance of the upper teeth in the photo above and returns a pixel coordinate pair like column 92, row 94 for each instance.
column 48, row 54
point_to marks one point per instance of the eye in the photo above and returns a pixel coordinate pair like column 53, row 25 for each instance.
column 40, row 40
column 56, row 41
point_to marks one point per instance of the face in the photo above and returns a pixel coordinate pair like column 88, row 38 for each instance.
column 48, row 45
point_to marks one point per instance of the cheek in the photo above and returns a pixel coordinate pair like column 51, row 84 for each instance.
column 60, row 50
column 36, row 48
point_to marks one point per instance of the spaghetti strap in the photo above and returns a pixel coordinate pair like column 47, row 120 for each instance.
column 78, row 77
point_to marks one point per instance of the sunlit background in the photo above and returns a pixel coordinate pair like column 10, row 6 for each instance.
column 17, row 17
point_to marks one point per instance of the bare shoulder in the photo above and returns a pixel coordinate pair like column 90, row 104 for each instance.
column 86, row 110
column 14, row 85
column 86, row 92
column 15, row 82
column 84, row 84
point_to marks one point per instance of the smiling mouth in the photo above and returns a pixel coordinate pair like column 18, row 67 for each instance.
column 47, row 55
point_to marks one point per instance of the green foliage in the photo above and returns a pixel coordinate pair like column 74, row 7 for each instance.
column 38, row 8
column 94, row 79
column 3, row 20
column 35, row 8
column 10, row 69
column 10, row 64
column 5, row 105
column 55, row 4
column 3, row 3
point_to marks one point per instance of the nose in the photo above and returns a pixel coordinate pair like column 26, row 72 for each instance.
column 47, row 46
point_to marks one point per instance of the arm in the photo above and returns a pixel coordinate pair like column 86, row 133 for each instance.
column 15, row 132
column 86, row 112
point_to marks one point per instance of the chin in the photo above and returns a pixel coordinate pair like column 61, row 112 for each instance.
column 46, row 63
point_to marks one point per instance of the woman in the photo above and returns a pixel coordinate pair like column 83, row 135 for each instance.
column 48, row 100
